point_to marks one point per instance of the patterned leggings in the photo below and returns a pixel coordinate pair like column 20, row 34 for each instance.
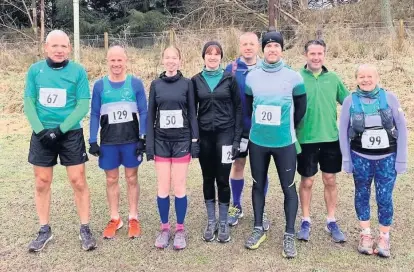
column 384, row 175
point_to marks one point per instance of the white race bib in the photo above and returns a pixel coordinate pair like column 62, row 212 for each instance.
column 375, row 139
column 226, row 154
column 243, row 144
column 119, row 114
column 268, row 115
column 52, row 97
column 171, row 119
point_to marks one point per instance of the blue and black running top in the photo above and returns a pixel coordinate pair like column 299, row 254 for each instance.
column 116, row 105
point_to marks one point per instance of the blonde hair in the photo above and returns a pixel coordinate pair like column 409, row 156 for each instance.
column 175, row 48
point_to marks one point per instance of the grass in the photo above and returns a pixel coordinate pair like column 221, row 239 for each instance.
column 64, row 253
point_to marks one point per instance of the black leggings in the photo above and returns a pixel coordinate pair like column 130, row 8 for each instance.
column 212, row 168
column 285, row 161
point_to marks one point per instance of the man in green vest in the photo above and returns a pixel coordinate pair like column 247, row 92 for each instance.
column 56, row 98
column 318, row 137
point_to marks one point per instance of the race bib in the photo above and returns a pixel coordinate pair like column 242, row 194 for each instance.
column 226, row 154
column 52, row 97
column 119, row 114
column 171, row 119
column 243, row 145
column 375, row 139
column 268, row 115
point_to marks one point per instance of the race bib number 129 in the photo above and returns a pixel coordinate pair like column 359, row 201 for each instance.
column 52, row 97
column 119, row 114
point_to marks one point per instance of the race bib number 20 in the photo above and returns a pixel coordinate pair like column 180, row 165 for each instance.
column 52, row 97
column 268, row 115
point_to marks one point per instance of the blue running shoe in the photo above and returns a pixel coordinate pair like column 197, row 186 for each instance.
column 304, row 232
column 337, row 235
column 235, row 214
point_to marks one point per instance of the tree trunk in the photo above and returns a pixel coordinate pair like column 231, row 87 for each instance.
column 42, row 21
column 386, row 16
column 304, row 4
column 34, row 16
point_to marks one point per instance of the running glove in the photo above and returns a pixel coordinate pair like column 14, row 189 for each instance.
column 140, row 147
column 94, row 150
column 150, row 157
column 235, row 150
column 50, row 138
column 195, row 150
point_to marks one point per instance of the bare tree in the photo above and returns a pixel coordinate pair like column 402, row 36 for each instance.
column 7, row 18
column 386, row 16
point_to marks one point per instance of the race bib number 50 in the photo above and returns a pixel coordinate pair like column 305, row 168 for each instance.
column 375, row 139
column 268, row 115
column 119, row 114
column 171, row 119
column 52, row 97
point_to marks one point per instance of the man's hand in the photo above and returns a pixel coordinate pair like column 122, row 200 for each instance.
column 94, row 149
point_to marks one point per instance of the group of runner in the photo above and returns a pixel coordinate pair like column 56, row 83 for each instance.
column 255, row 106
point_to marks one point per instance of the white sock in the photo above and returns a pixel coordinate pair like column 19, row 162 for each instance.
column 366, row 231
column 329, row 220
column 133, row 217
column 306, row 219
column 385, row 234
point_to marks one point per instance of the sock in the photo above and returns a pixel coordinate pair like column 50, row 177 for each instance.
column 306, row 219
column 163, row 208
column 236, row 190
column 179, row 227
column 366, row 231
column 84, row 226
column 385, row 234
column 266, row 185
column 330, row 220
column 165, row 226
column 180, row 208
column 211, row 210
column 259, row 227
column 223, row 212
column 45, row 227
column 132, row 217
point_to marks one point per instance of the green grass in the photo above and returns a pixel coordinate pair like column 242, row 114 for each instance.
column 19, row 224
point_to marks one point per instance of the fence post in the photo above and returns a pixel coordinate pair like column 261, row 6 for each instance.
column 106, row 41
column 401, row 35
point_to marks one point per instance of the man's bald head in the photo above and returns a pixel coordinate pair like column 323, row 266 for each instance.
column 57, row 46
column 250, row 36
column 249, row 46
column 57, row 34
column 117, row 60
column 117, row 51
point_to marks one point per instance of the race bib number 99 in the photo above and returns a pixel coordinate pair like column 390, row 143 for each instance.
column 268, row 115
column 375, row 139
column 52, row 97
column 226, row 154
column 171, row 119
column 119, row 114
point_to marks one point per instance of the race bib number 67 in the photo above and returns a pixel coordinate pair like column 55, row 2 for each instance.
column 268, row 115
column 52, row 97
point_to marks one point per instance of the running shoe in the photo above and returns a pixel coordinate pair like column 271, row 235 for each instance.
column 304, row 232
column 112, row 227
column 223, row 232
column 43, row 237
column 257, row 237
column 289, row 248
column 88, row 242
column 383, row 247
column 210, row 231
column 234, row 215
column 180, row 239
column 163, row 239
column 134, row 228
column 337, row 235
column 366, row 244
